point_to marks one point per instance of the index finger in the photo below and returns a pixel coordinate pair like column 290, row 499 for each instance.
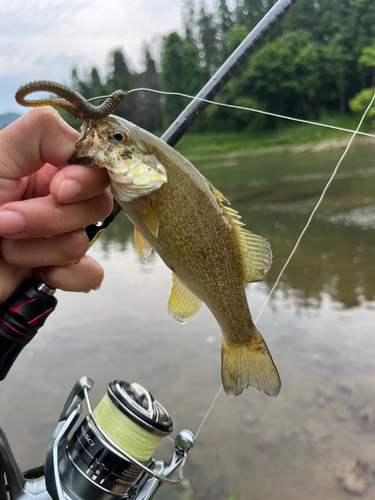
column 40, row 136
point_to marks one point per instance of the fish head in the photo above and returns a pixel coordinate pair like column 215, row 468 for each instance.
column 116, row 144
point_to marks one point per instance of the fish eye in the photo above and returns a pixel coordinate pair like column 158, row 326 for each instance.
column 120, row 136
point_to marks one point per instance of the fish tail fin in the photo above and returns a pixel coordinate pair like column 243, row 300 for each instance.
column 248, row 364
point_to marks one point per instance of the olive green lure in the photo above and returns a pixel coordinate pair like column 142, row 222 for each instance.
column 69, row 99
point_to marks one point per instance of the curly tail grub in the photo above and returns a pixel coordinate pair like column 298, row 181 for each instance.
column 68, row 99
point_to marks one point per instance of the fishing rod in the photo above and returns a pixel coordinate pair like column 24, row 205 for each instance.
column 108, row 454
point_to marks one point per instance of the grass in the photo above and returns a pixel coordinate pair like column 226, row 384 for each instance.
column 286, row 137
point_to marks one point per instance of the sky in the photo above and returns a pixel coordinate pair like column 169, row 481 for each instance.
column 45, row 39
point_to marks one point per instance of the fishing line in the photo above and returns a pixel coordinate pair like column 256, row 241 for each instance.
column 208, row 411
column 128, row 435
column 355, row 132
column 232, row 106
column 316, row 206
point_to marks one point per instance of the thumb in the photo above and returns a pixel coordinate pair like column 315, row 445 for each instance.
column 40, row 136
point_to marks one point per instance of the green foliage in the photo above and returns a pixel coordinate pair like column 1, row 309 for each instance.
column 258, row 141
column 367, row 59
column 361, row 100
column 234, row 38
column 314, row 61
column 366, row 64
column 180, row 72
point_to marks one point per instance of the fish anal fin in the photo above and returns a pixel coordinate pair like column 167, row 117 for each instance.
column 141, row 244
column 150, row 217
column 256, row 251
column 248, row 365
column 218, row 195
column 182, row 304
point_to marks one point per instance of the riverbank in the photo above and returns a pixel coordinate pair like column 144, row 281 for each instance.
column 291, row 137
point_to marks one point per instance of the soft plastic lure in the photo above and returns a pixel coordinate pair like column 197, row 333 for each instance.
column 69, row 99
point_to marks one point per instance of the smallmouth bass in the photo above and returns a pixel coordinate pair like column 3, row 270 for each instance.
column 186, row 220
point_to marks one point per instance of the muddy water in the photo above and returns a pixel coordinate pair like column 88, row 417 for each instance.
column 319, row 326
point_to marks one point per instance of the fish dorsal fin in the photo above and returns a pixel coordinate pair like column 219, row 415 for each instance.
column 182, row 304
column 141, row 244
column 256, row 251
column 218, row 195
column 150, row 217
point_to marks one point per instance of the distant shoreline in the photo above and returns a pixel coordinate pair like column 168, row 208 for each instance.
column 325, row 145
column 288, row 139
column 294, row 139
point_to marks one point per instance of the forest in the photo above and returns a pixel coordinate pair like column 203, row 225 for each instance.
column 319, row 60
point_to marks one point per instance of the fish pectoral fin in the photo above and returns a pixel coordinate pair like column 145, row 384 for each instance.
column 248, row 364
column 150, row 218
column 142, row 245
column 182, row 304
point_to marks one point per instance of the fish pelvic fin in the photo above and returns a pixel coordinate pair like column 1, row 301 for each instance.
column 141, row 244
column 250, row 364
column 183, row 304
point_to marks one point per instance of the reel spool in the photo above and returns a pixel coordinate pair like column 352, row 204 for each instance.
column 128, row 417
column 109, row 455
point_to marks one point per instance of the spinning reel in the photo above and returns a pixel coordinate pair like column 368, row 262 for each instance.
column 107, row 455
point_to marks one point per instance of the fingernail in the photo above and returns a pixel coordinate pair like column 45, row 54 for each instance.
column 11, row 223
column 69, row 188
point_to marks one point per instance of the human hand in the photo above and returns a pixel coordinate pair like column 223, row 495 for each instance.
column 45, row 205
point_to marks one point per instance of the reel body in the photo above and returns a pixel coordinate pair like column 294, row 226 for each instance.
column 89, row 465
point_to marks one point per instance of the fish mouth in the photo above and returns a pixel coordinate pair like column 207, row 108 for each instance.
column 133, row 173
column 87, row 146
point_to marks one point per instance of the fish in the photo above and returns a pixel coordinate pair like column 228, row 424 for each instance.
column 179, row 214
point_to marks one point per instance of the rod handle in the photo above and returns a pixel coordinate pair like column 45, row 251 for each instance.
column 21, row 316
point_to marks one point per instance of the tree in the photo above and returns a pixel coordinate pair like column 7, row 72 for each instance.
column 367, row 62
column 188, row 20
column 180, row 72
column 208, row 40
column 276, row 73
column 361, row 100
column 148, row 104
column 224, row 18
column 336, row 59
column 224, row 24
column 120, row 77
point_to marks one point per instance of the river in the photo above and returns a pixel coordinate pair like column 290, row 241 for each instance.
column 319, row 327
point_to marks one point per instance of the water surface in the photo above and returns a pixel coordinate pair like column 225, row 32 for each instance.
column 318, row 325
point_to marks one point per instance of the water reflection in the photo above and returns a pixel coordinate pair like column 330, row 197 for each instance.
column 318, row 327
column 275, row 196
